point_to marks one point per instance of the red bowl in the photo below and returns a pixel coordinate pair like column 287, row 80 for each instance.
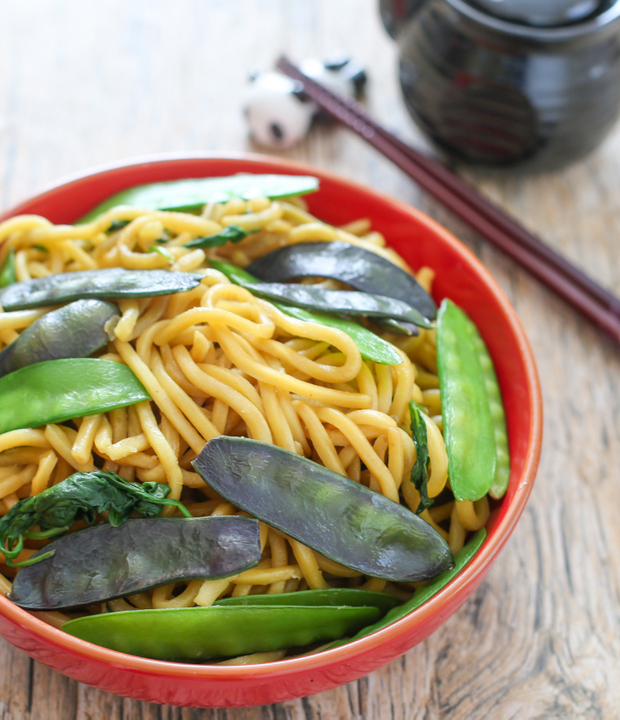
column 421, row 241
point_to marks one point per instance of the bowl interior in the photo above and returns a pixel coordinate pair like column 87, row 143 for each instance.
column 459, row 275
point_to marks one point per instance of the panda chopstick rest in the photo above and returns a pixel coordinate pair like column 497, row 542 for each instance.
column 278, row 111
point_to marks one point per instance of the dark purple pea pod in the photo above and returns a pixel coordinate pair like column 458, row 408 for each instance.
column 104, row 562
column 340, row 302
column 361, row 269
column 339, row 518
column 76, row 330
column 102, row 284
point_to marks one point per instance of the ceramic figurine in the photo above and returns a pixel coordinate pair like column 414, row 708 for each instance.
column 278, row 111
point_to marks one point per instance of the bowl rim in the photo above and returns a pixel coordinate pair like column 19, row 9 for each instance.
column 458, row 586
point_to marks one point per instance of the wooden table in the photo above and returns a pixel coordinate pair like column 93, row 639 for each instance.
column 88, row 83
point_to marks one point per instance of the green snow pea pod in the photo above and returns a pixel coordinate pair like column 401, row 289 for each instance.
column 198, row 634
column 102, row 284
column 371, row 346
column 339, row 518
column 468, row 428
column 191, row 194
column 502, row 468
column 104, row 562
column 58, row 390
column 361, row 269
column 73, row 331
column 7, row 271
column 424, row 593
column 330, row 596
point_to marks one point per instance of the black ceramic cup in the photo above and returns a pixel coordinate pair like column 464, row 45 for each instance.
column 498, row 91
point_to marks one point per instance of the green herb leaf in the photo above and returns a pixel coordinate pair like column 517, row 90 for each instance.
column 371, row 346
column 419, row 471
column 116, row 225
column 7, row 272
column 164, row 252
column 81, row 497
column 232, row 233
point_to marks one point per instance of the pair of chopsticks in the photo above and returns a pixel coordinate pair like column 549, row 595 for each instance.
column 593, row 301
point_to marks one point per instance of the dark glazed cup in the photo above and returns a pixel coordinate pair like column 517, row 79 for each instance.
column 501, row 93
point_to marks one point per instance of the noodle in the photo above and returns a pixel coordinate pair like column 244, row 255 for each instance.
column 218, row 360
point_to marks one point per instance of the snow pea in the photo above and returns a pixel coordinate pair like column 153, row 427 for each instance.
column 340, row 302
column 331, row 596
column 104, row 562
column 189, row 195
column 424, row 593
column 73, row 331
column 350, row 264
column 7, row 271
column 58, row 390
column 502, row 467
column 371, row 346
column 102, row 284
column 468, row 428
column 339, row 518
column 203, row 633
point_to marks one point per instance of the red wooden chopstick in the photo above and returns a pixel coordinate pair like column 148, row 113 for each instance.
column 595, row 302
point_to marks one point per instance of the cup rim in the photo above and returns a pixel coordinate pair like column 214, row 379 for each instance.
column 457, row 588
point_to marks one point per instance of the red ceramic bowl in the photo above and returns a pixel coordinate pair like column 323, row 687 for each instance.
column 421, row 241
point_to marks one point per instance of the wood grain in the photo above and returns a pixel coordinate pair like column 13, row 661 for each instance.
column 89, row 83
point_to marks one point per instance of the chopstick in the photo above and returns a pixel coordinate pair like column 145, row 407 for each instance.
column 592, row 300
